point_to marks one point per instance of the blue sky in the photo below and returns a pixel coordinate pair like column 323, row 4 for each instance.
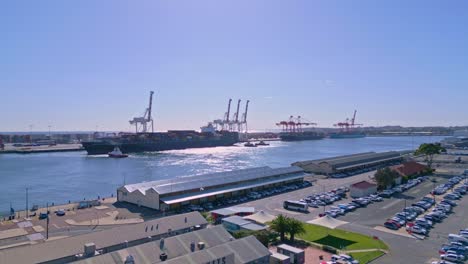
column 76, row 65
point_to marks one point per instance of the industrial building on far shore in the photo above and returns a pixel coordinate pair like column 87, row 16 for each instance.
column 174, row 193
column 349, row 163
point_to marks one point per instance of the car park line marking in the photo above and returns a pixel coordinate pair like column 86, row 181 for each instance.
column 389, row 205
column 415, row 191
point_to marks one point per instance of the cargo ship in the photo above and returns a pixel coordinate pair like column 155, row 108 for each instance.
column 298, row 136
column 144, row 141
column 348, row 129
column 160, row 141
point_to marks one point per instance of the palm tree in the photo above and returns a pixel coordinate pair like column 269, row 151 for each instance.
column 295, row 227
column 280, row 225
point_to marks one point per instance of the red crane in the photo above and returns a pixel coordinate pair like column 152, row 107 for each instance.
column 348, row 124
column 294, row 125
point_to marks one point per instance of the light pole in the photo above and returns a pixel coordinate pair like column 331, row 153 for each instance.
column 49, row 132
column 27, row 202
column 47, row 222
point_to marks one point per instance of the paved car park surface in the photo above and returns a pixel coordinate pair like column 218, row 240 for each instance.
column 403, row 247
column 274, row 204
column 369, row 220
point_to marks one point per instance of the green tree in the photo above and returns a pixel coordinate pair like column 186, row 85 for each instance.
column 429, row 150
column 385, row 177
column 295, row 227
column 280, row 225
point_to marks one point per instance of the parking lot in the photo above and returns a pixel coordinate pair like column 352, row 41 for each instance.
column 368, row 220
column 275, row 205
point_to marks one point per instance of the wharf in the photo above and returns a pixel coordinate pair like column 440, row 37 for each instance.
column 41, row 149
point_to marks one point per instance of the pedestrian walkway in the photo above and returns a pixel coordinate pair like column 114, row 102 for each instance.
column 14, row 232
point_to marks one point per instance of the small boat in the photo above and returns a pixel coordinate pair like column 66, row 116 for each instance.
column 262, row 143
column 249, row 144
column 116, row 153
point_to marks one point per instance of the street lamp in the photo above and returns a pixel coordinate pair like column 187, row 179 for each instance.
column 27, row 202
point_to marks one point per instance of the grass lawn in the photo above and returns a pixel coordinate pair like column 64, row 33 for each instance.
column 340, row 239
column 365, row 257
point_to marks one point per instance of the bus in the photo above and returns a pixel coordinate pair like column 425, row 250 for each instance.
column 296, row 206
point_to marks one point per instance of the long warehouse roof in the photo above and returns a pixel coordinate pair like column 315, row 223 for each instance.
column 238, row 187
column 207, row 180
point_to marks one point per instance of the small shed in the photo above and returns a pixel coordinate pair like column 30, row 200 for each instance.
column 278, row 258
column 296, row 255
column 362, row 188
column 236, row 223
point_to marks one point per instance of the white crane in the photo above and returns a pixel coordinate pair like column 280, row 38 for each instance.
column 141, row 122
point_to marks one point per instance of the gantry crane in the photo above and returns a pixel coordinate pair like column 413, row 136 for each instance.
column 141, row 122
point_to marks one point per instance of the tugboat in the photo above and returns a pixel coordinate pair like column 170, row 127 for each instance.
column 249, row 144
column 262, row 143
column 116, row 153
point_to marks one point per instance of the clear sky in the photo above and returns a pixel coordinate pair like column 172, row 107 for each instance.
column 76, row 65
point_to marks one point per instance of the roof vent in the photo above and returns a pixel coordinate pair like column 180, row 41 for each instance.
column 201, row 245
column 129, row 260
column 192, row 246
column 163, row 256
column 89, row 249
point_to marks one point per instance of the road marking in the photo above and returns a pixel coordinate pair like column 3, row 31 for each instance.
column 390, row 205
column 415, row 191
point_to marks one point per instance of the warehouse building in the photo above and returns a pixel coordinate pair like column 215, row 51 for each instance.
column 174, row 193
column 210, row 245
column 349, row 163
column 361, row 189
column 71, row 249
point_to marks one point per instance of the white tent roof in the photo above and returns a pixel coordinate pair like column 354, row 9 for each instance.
column 261, row 217
column 327, row 221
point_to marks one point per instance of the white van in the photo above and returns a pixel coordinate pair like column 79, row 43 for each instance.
column 457, row 238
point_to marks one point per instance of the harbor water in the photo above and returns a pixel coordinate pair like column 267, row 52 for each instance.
column 72, row 176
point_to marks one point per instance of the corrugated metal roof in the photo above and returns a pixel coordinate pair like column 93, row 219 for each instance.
column 236, row 220
column 218, row 243
column 71, row 246
column 208, row 180
column 348, row 161
column 242, row 186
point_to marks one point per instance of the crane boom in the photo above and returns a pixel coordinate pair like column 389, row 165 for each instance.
column 246, row 109
column 228, row 110
column 354, row 118
column 236, row 115
column 150, row 106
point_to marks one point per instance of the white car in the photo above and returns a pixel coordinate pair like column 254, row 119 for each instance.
column 451, row 257
column 417, row 230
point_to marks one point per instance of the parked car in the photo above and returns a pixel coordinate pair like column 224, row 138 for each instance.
column 391, row 225
column 451, row 257
column 417, row 229
column 60, row 212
